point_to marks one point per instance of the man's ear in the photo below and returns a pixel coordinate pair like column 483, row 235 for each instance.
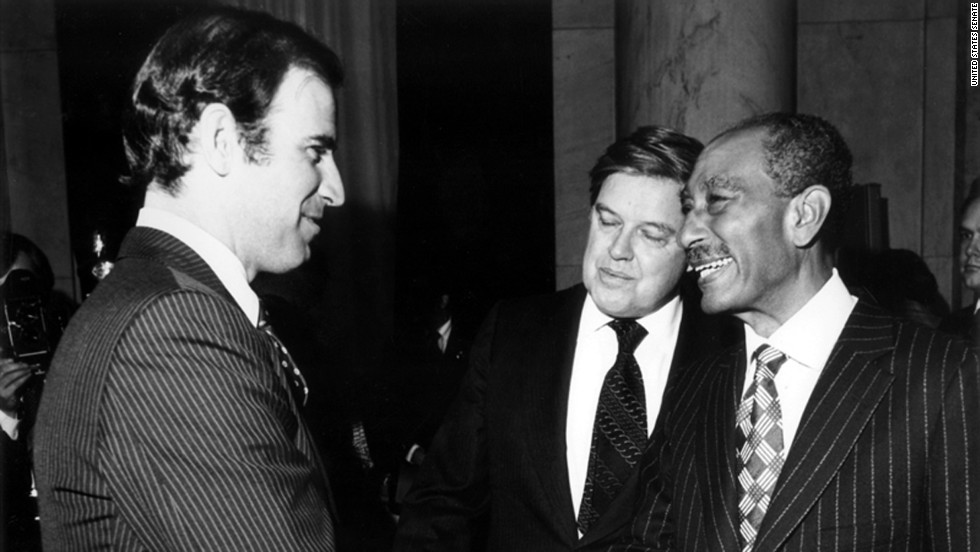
column 217, row 136
column 808, row 212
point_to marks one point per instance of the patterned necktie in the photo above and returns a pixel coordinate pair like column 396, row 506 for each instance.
column 619, row 434
column 294, row 380
column 297, row 383
column 760, row 432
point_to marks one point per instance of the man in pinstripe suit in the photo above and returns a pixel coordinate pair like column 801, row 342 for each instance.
column 168, row 421
column 832, row 426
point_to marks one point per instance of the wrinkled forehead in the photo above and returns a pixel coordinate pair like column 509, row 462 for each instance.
column 728, row 161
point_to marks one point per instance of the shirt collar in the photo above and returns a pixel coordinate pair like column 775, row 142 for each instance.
column 446, row 327
column 658, row 322
column 226, row 266
column 809, row 336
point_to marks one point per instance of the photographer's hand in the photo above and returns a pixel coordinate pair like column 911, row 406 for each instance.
column 13, row 376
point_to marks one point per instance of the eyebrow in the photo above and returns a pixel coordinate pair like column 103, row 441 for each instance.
column 723, row 182
column 661, row 226
column 325, row 141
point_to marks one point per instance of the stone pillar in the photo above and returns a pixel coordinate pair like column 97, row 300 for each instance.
column 886, row 73
column 584, row 119
column 702, row 65
column 34, row 172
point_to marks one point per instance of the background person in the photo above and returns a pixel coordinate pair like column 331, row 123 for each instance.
column 965, row 322
column 32, row 317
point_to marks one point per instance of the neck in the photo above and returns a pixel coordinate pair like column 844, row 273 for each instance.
column 199, row 210
column 779, row 305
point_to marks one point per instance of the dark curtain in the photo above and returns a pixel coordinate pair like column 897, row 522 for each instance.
column 350, row 277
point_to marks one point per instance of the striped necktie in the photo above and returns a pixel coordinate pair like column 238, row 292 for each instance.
column 760, row 431
column 297, row 383
column 293, row 379
column 619, row 433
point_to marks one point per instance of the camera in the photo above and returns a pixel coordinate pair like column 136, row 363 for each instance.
column 24, row 334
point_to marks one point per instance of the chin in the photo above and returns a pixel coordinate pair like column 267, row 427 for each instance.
column 607, row 307
column 713, row 305
column 290, row 262
column 972, row 280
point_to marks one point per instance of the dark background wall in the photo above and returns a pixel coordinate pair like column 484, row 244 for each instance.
column 101, row 47
column 476, row 181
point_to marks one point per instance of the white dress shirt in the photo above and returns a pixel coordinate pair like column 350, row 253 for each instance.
column 10, row 425
column 595, row 353
column 444, row 330
column 226, row 266
column 807, row 340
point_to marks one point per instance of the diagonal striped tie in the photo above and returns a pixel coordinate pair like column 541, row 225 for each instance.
column 760, row 431
column 293, row 379
column 619, row 434
column 297, row 383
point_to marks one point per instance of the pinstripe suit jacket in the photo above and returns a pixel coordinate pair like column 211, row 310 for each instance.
column 887, row 455
column 166, row 424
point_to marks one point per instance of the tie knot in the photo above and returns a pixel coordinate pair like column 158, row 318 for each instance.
column 629, row 333
column 768, row 360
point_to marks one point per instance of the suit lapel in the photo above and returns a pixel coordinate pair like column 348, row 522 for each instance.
column 551, row 351
column 849, row 389
column 717, row 472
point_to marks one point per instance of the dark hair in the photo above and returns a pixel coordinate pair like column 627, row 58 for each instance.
column 14, row 245
column 801, row 151
column 234, row 57
column 652, row 151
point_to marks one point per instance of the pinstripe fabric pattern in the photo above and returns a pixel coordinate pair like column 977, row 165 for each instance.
column 887, row 456
column 166, row 425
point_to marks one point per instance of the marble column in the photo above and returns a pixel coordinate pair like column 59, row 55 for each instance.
column 700, row 66
column 886, row 73
column 36, row 191
column 584, row 119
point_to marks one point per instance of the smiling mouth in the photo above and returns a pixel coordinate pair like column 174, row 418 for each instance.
column 706, row 269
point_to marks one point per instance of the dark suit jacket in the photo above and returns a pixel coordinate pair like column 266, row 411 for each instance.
column 166, row 423
column 19, row 529
column 416, row 388
column 502, row 447
column 963, row 323
column 887, row 455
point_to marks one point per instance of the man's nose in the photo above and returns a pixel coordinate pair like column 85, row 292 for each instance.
column 973, row 245
column 331, row 184
column 622, row 247
column 693, row 230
